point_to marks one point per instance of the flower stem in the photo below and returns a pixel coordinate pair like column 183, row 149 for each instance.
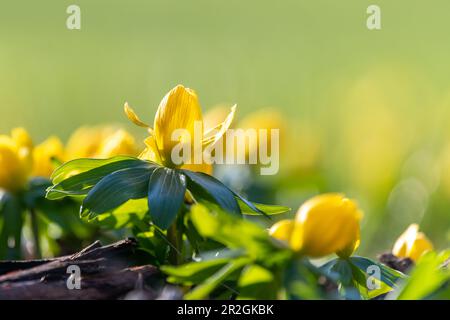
column 35, row 231
column 175, row 239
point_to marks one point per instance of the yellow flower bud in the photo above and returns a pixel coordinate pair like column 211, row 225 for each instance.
column 43, row 156
column 15, row 162
column 412, row 244
column 179, row 109
column 326, row 224
column 282, row 230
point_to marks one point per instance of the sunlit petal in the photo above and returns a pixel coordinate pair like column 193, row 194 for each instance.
column 133, row 117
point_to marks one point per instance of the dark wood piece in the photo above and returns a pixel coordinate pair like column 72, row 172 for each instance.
column 107, row 272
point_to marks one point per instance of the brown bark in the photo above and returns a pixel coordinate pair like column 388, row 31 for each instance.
column 107, row 272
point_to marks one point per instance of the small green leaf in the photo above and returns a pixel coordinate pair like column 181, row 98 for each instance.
column 426, row 278
column 131, row 212
column 235, row 233
column 83, row 182
column 203, row 290
column 166, row 191
column 388, row 275
column 344, row 270
column 194, row 272
column 209, row 189
column 116, row 189
column 265, row 208
column 257, row 282
column 77, row 166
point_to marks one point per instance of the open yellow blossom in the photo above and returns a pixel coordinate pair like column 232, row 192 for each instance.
column 412, row 244
column 179, row 109
column 44, row 155
column 15, row 160
column 323, row 225
column 100, row 142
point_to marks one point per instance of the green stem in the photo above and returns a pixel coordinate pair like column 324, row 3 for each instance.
column 175, row 239
column 35, row 231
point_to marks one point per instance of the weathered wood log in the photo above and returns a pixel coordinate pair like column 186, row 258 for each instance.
column 394, row 262
column 106, row 272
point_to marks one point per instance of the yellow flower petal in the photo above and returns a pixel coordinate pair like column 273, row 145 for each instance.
column 14, row 166
column 151, row 151
column 86, row 141
column 220, row 129
column 214, row 116
column 120, row 143
column 43, row 155
column 203, row 167
column 133, row 116
column 326, row 224
column 412, row 244
column 22, row 138
column 179, row 109
column 282, row 230
column 100, row 142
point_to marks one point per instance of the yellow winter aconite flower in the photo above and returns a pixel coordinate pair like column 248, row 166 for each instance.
column 282, row 230
column 44, row 155
column 100, row 142
column 22, row 138
column 179, row 109
column 119, row 143
column 323, row 225
column 412, row 244
column 15, row 159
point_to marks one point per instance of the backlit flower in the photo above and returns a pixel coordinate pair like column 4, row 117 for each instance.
column 15, row 159
column 412, row 244
column 323, row 225
column 179, row 109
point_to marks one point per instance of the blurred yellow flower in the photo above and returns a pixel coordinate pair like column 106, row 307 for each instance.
column 100, row 142
column 323, row 225
column 15, row 159
column 373, row 115
column 119, row 143
column 269, row 119
column 22, row 138
column 282, row 230
column 412, row 244
column 19, row 160
column 44, row 155
column 179, row 109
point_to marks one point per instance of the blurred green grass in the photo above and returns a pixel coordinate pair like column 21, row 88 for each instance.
column 377, row 98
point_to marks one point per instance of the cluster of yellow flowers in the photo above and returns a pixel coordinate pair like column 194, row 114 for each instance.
column 329, row 223
column 20, row 159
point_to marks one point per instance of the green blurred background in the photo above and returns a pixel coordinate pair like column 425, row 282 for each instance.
column 368, row 110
